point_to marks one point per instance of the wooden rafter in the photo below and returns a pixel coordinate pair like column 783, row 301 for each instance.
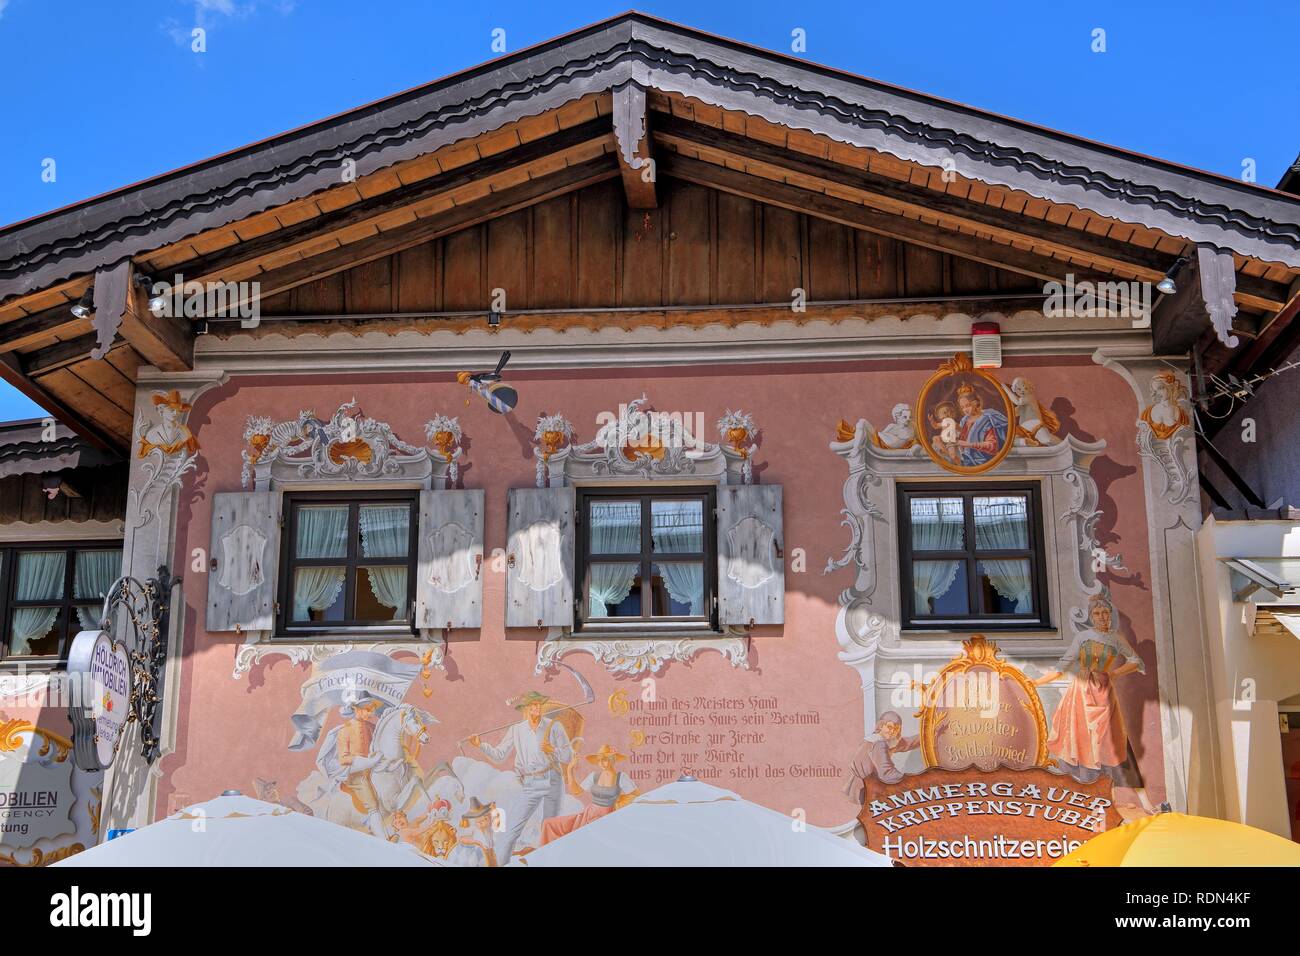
column 872, row 220
column 893, row 195
column 632, row 133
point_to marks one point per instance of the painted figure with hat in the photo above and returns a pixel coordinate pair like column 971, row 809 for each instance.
column 354, row 741
column 475, row 843
column 542, row 751
column 171, row 435
column 609, row 787
column 875, row 758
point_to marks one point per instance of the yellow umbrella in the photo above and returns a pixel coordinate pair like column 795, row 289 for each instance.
column 1175, row 839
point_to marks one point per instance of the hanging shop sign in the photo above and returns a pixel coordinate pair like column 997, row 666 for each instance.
column 991, row 794
column 114, row 682
column 99, row 670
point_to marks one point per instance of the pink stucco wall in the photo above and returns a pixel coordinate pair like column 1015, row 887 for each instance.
column 232, row 731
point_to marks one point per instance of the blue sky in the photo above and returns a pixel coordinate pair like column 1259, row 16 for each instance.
column 113, row 93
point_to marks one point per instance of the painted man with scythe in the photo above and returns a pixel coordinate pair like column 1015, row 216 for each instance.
column 542, row 751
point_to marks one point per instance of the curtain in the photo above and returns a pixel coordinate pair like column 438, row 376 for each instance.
column 1003, row 524
column 938, row 524
column 615, row 529
column 386, row 533
column 40, row 578
column 92, row 576
column 322, row 533
column 678, row 528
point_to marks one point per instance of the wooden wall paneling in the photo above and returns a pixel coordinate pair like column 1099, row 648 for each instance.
column 969, row 277
column 369, row 287
column 782, row 265
column 923, row 271
column 415, row 286
column 507, row 259
column 462, row 270
column 598, row 238
column 877, row 269
column 321, row 297
column 830, row 261
column 552, row 253
column 642, row 251
column 735, row 249
column 688, row 246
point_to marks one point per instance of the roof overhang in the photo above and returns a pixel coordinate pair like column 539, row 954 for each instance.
column 637, row 50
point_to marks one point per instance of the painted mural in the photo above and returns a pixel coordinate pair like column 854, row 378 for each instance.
column 487, row 746
column 48, row 808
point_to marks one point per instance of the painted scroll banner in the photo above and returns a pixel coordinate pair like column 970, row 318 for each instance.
column 1003, row 818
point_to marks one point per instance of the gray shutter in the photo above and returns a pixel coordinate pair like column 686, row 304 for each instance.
column 540, row 558
column 751, row 555
column 449, row 576
column 243, row 553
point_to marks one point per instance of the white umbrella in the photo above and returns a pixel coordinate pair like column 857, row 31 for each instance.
column 689, row 823
column 234, row 830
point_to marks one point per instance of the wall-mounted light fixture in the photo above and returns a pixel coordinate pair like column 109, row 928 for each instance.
column 1167, row 286
column 85, row 306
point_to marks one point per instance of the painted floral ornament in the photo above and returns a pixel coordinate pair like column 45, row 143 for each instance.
column 552, row 433
column 738, row 432
column 444, row 436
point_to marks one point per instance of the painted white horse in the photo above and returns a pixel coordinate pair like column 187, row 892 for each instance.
column 396, row 777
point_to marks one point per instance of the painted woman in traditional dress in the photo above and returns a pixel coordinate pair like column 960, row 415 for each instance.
column 609, row 789
column 1167, row 412
column 1088, row 738
column 983, row 431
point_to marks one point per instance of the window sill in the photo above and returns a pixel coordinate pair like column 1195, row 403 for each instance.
column 985, row 627
column 644, row 634
column 345, row 636
column 30, row 666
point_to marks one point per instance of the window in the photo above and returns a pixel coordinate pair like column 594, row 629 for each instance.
column 646, row 559
column 49, row 592
column 971, row 556
column 347, row 563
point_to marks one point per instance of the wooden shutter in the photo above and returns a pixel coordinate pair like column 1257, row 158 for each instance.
column 449, row 575
column 244, row 553
column 751, row 555
column 540, row 558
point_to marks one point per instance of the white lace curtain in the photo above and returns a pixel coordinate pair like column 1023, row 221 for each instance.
column 322, row 533
column 386, row 533
column 40, row 578
column 1003, row 524
column 92, row 576
column 678, row 528
column 615, row 529
column 938, row 524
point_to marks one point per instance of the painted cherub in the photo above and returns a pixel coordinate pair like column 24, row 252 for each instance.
column 900, row 432
column 1035, row 425
column 944, row 423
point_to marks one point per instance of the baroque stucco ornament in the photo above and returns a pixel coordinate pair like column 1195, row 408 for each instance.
column 639, row 444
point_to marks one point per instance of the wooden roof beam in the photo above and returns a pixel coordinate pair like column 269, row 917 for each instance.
column 1105, row 253
column 872, row 220
column 327, row 263
column 315, row 229
column 122, row 306
column 11, row 371
column 632, row 134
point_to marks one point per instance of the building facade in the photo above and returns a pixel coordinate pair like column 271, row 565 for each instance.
column 842, row 455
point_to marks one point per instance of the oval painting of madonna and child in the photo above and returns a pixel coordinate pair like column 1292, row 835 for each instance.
column 964, row 418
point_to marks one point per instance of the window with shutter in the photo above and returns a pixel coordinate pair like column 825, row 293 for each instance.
column 449, row 575
column 243, row 555
column 540, row 557
column 751, row 556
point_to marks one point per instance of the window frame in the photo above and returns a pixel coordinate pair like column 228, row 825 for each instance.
column 1036, row 553
column 9, row 551
column 704, row 624
column 285, row 629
